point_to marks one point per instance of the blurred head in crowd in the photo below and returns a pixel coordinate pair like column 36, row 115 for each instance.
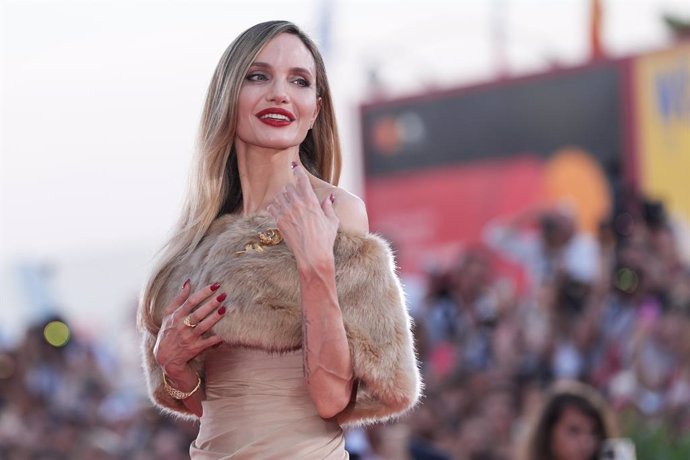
column 472, row 273
column 557, row 228
column 571, row 425
column 571, row 296
column 439, row 286
column 654, row 214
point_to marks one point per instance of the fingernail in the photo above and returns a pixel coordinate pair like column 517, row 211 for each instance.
column 221, row 297
column 332, row 198
column 186, row 284
column 221, row 310
column 215, row 286
column 293, row 164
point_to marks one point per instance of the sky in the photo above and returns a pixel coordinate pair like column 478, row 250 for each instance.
column 100, row 100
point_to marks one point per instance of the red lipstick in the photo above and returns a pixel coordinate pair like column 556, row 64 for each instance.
column 276, row 117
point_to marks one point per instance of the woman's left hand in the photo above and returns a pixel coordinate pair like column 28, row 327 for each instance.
column 308, row 227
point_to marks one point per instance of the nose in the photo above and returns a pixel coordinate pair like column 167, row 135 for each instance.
column 277, row 92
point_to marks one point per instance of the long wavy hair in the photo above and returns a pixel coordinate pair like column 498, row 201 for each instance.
column 214, row 185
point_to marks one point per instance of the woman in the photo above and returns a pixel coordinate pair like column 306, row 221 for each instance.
column 572, row 424
column 291, row 321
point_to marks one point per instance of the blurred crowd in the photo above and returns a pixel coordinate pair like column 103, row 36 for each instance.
column 611, row 310
column 60, row 403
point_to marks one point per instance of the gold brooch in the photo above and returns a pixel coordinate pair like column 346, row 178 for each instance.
column 269, row 237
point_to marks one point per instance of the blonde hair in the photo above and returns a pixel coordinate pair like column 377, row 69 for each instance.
column 214, row 186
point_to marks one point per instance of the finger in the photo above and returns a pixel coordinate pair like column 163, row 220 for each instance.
column 210, row 342
column 271, row 209
column 275, row 209
column 302, row 179
column 327, row 206
column 195, row 299
column 291, row 193
column 179, row 298
column 211, row 319
column 281, row 199
column 198, row 315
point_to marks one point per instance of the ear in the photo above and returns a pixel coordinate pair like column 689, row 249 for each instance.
column 317, row 110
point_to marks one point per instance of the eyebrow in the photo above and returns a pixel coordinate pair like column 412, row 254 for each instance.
column 266, row 65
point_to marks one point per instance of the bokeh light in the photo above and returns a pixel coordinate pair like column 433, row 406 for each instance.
column 56, row 333
column 627, row 280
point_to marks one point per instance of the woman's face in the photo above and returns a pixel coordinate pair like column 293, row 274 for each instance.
column 574, row 436
column 278, row 102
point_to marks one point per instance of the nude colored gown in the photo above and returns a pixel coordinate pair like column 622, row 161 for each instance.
column 257, row 407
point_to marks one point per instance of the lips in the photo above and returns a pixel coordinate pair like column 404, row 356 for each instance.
column 276, row 117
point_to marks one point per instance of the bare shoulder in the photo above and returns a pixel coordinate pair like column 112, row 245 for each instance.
column 349, row 208
column 351, row 211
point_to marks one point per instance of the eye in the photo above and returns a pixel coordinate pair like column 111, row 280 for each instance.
column 257, row 76
column 303, row 82
column 574, row 430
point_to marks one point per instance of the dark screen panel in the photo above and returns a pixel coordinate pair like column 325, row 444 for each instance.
column 536, row 115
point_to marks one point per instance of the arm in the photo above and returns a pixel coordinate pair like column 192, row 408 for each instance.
column 309, row 229
column 327, row 360
column 327, row 357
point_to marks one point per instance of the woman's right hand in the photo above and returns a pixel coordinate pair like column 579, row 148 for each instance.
column 178, row 342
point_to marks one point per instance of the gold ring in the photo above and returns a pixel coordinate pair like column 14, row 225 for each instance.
column 188, row 321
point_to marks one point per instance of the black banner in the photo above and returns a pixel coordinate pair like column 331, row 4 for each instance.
column 537, row 115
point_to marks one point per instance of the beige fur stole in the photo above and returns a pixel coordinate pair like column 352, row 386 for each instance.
column 263, row 311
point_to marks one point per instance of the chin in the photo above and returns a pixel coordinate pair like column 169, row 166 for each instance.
column 279, row 144
column 273, row 142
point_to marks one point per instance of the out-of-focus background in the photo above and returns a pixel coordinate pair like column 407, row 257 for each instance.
column 529, row 160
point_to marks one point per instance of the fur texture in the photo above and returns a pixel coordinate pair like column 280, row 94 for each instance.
column 264, row 311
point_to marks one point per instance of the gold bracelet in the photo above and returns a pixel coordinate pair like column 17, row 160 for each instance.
column 177, row 394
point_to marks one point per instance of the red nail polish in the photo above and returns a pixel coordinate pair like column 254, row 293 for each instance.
column 332, row 197
column 221, row 297
column 186, row 283
column 215, row 286
column 293, row 164
column 221, row 310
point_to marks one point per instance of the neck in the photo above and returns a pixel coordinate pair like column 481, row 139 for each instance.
column 263, row 174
